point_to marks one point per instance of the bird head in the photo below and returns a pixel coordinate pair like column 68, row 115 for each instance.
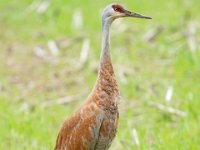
column 114, row 11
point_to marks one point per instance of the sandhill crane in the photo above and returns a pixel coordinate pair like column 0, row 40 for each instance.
column 93, row 126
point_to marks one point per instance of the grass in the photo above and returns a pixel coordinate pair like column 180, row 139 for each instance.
column 27, row 81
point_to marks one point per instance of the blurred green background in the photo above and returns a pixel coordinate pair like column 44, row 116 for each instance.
column 49, row 60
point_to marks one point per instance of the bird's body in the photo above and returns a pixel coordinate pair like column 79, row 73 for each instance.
column 93, row 126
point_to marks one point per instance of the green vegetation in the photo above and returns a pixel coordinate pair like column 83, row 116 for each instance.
column 150, row 57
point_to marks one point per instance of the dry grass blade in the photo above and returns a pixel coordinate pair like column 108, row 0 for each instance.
column 33, row 5
column 84, row 51
column 39, row 51
column 135, row 137
column 24, row 107
column 168, row 109
column 169, row 94
column 122, row 76
column 191, row 39
column 43, row 6
column 53, row 47
column 77, row 22
column 152, row 34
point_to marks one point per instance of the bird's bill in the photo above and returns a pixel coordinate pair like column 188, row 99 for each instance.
column 135, row 15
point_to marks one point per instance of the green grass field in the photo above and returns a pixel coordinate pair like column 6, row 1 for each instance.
column 157, row 64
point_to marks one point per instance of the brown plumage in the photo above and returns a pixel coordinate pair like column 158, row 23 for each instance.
column 93, row 126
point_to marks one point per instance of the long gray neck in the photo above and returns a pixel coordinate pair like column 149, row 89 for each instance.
column 106, row 78
column 105, row 51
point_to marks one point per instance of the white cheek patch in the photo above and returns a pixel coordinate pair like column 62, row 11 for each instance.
column 118, row 14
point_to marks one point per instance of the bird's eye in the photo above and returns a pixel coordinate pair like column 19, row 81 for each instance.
column 116, row 9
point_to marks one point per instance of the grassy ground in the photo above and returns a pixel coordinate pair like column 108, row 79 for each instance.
column 152, row 58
